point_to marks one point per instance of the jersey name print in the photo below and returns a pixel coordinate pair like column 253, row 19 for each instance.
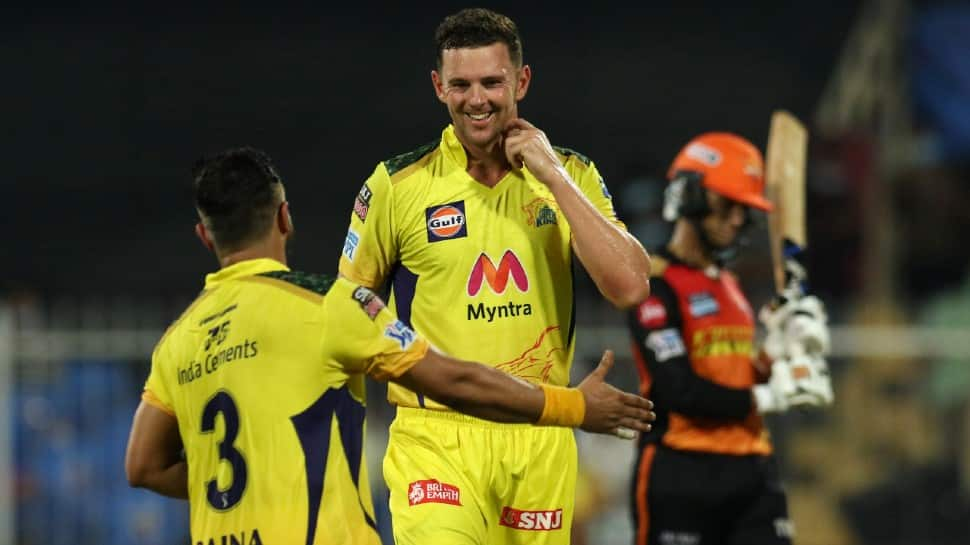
column 265, row 376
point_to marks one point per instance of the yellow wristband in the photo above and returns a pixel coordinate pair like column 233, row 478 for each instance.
column 563, row 407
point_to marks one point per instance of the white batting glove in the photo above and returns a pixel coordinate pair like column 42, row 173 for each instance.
column 798, row 325
column 802, row 381
column 806, row 328
column 773, row 397
column 812, row 384
column 773, row 316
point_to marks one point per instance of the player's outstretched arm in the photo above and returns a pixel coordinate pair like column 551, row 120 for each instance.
column 153, row 459
column 487, row 393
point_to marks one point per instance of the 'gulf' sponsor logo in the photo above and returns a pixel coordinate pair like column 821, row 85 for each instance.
column 484, row 270
column 446, row 221
column 433, row 491
column 651, row 313
column 531, row 520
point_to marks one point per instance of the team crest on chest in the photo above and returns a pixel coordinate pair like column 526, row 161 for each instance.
column 540, row 212
column 446, row 221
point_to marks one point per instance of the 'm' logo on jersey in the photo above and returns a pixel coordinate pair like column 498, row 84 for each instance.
column 446, row 221
column 531, row 520
column 484, row 270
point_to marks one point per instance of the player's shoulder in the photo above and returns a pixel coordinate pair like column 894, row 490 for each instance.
column 568, row 154
column 403, row 165
column 184, row 322
column 308, row 285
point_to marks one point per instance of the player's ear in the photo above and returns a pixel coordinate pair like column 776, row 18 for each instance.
column 439, row 86
column 522, row 85
column 284, row 221
column 203, row 234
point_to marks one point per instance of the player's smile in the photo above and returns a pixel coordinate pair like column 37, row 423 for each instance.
column 480, row 120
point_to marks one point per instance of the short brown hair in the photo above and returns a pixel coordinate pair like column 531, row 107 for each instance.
column 478, row 27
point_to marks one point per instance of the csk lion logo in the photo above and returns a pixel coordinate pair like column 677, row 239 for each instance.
column 538, row 360
column 416, row 494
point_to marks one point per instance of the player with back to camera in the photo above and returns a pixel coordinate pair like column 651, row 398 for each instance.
column 261, row 382
column 476, row 233
column 705, row 473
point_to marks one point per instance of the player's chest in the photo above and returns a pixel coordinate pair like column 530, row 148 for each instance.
column 718, row 320
column 457, row 223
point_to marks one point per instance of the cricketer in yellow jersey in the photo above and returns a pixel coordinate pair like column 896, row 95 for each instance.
column 261, row 383
column 476, row 233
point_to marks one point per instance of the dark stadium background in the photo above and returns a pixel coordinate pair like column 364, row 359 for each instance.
column 106, row 106
column 105, row 110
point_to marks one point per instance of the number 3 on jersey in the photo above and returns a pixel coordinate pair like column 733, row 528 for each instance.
column 222, row 403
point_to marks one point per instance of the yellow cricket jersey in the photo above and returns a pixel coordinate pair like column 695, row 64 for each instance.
column 483, row 273
column 265, row 374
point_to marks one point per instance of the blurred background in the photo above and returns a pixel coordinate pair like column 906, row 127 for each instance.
column 105, row 110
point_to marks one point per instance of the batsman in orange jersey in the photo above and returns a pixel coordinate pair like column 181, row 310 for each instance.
column 476, row 233
column 705, row 474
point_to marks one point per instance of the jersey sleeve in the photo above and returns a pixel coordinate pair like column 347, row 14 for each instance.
column 365, row 336
column 370, row 248
column 156, row 392
column 592, row 185
column 657, row 329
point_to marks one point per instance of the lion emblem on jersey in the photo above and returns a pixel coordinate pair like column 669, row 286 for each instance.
column 416, row 494
column 537, row 361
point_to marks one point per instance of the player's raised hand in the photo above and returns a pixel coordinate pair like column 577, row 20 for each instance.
column 526, row 145
column 610, row 410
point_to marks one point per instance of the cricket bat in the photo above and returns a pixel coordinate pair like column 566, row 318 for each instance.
column 785, row 188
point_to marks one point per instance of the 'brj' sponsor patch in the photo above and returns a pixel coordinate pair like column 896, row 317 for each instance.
column 362, row 203
column 368, row 300
column 350, row 244
column 446, row 221
column 652, row 313
column 666, row 344
column 433, row 491
column 702, row 304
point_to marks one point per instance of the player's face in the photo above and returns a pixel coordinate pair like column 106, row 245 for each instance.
column 480, row 86
column 723, row 225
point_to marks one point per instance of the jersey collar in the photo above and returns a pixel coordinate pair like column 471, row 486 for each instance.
column 455, row 152
column 452, row 147
column 249, row 267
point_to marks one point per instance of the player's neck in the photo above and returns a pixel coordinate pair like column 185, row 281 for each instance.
column 487, row 165
column 686, row 245
column 266, row 249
